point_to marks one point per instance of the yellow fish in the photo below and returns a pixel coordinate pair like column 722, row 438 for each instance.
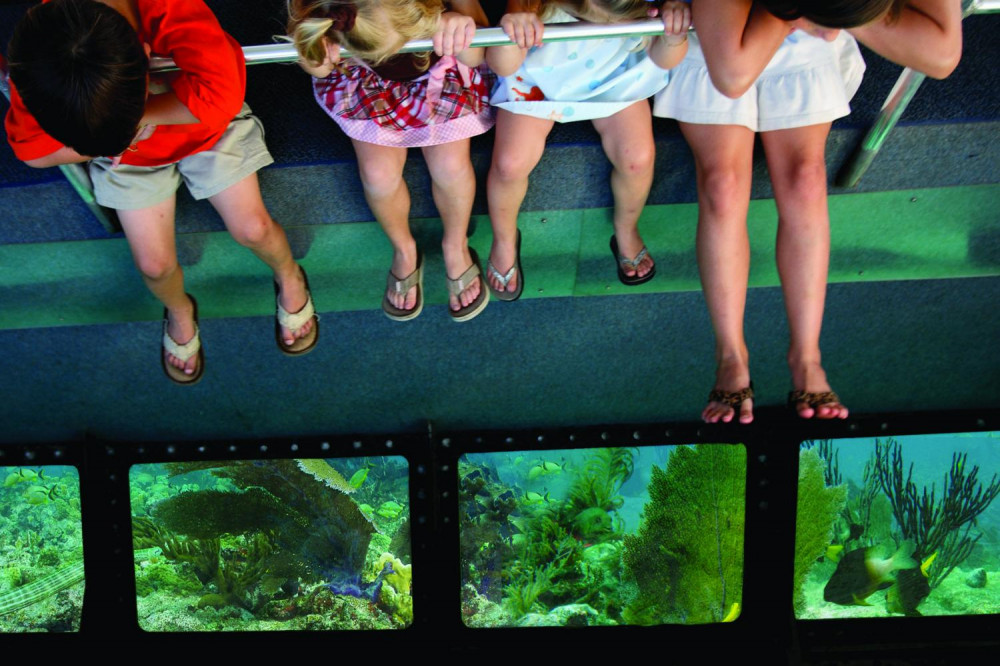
column 734, row 612
column 834, row 552
column 926, row 565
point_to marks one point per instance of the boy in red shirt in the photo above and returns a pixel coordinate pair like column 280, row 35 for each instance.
column 81, row 91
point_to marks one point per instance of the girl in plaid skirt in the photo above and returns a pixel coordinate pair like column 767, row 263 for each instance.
column 387, row 102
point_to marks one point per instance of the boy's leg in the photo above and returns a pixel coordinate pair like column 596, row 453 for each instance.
column 246, row 218
column 519, row 144
column 381, row 172
column 453, row 184
column 627, row 137
column 723, row 157
column 795, row 160
column 150, row 235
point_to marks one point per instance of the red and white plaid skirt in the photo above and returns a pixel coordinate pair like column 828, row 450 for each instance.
column 448, row 103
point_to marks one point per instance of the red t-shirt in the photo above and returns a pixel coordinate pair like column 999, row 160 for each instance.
column 211, row 83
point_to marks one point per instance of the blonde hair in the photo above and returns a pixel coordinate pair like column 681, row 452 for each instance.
column 624, row 10
column 309, row 23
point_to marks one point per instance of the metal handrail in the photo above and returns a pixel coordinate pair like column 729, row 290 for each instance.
column 892, row 110
column 556, row 32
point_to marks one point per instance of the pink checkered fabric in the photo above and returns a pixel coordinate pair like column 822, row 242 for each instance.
column 448, row 103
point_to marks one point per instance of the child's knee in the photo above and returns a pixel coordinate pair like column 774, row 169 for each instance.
column 156, row 266
column 511, row 165
column 636, row 159
column 380, row 178
column 453, row 167
column 253, row 230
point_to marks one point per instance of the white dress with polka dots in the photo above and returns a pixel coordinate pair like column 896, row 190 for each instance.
column 580, row 80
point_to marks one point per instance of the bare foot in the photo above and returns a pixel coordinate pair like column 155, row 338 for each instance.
column 732, row 382
column 181, row 329
column 630, row 245
column 815, row 399
column 404, row 263
column 293, row 297
column 503, row 256
column 456, row 261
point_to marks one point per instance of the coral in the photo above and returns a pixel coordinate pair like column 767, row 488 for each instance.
column 161, row 576
column 935, row 525
column 402, row 577
column 208, row 514
column 977, row 578
column 687, row 557
column 480, row 612
column 321, row 471
column 817, row 508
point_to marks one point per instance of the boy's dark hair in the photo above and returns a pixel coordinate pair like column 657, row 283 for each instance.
column 834, row 13
column 82, row 72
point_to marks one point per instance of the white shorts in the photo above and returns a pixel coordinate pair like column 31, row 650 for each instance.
column 809, row 81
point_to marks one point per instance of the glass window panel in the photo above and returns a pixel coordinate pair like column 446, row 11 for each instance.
column 266, row 545
column 898, row 526
column 584, row 537
column 41, row 549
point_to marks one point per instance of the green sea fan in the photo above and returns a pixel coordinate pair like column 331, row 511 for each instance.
column 321, row 471
column 687, row 557
column 817, row 508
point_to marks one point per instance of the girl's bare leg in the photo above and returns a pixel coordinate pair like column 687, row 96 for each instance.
column 795, row 159
column 627, row 137
column 723, row 157
column 245, row 216
column 150, row 235
column 519, row 143
column 453, row 184
column 381, row 170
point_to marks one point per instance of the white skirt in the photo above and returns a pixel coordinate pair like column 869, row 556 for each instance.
column 808, row 81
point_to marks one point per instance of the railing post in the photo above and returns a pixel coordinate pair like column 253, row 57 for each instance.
column 895, row 104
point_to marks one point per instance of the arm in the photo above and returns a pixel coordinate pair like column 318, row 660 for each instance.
column 927, row 36
column 668, row 49
column 522, row 25
column 738, row 38
column 62, row 156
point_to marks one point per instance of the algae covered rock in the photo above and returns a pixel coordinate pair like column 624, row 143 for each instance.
column 687, row 557
column 977, row 578
column 570, row 615
column 817, row 508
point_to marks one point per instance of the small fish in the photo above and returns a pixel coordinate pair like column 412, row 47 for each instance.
column 518, row 460
column 37, row 495
column 390, row 510
column 834, row 552
column 531, row 497
column 863, row 571
column 734, row 612
column 543, row 468
column 926, row 566
column 359, row 478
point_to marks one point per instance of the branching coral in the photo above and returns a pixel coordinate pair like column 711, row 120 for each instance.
column 936, row 525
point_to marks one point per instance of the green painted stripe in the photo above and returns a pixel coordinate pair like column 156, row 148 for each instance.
column 914, row 234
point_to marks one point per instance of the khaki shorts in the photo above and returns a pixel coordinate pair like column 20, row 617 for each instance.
column 237, row 154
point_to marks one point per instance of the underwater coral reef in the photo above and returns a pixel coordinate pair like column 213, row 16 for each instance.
column 882, row 531
column 605, row 536
column 41, row 550
column 272, row 545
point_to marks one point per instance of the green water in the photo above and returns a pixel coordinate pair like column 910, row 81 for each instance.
column 272, row 545
column 41, row 549
column 868, row 509
column 584, row 537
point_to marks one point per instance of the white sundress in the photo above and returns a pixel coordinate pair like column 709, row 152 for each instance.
column 580, row 80
column 808, row 81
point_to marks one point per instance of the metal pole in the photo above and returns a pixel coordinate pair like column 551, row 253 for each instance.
column 558, row 32
column 895, row 104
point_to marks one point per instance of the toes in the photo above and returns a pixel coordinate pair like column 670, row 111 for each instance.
column 746, row 412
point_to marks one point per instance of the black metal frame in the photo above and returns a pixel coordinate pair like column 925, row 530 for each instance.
column 766, row 626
